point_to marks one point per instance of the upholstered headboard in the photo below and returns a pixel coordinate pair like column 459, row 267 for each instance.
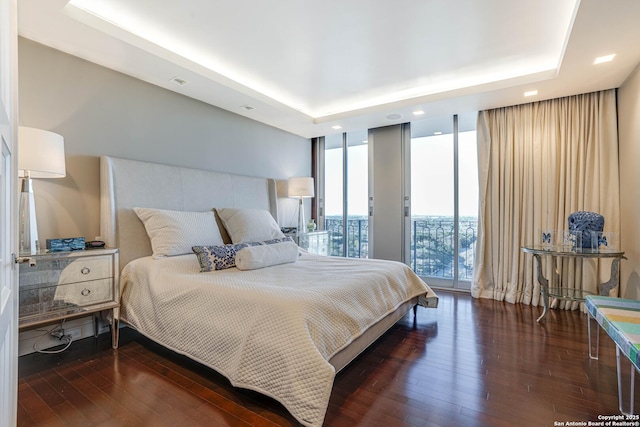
column 125, row 184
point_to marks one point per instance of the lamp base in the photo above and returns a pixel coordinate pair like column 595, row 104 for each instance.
column 28, row 226
column 301, row 224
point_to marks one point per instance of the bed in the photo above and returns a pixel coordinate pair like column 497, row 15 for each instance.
column 284, row 330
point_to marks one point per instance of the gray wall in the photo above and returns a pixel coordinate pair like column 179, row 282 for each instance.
column 103, row 112
column 629, row 135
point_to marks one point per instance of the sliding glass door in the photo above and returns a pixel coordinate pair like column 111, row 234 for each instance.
column 346, row 163
column 357, row 190
column 440, row 192
column 467, row 197
column 334, row 180
column 432, row 198
column 444, row 199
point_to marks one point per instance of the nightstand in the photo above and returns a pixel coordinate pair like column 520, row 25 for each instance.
column 316, row 242
column 66, row 285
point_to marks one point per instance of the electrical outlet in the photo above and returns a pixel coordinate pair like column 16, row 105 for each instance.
column 103, row 327
column 75, row 333
column 58, row 333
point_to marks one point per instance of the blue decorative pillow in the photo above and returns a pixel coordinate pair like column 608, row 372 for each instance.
column 220, row 257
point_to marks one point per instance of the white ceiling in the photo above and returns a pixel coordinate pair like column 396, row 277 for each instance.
column 305, row 66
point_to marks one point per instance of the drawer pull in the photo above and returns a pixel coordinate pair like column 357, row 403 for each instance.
column 85, row 292
column 85, row 270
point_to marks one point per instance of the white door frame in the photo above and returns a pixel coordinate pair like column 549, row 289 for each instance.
column 8, row 213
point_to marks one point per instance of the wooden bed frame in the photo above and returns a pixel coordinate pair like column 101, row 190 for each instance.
column 126, row 184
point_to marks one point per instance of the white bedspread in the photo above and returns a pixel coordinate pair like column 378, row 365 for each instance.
column 271, row 330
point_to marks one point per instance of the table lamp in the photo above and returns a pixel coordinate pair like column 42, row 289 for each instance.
column 40, row 155
column 301, row 187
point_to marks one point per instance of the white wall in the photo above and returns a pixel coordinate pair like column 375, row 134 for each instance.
column 102, row 112
column 629, row 134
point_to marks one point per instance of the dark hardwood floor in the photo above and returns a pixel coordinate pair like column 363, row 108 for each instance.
column 469, row 362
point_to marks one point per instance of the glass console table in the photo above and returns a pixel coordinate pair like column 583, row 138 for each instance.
column 567, row 293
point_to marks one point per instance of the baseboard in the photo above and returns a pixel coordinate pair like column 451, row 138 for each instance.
column 79, row 328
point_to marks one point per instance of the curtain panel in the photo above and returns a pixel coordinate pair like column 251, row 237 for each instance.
column 537, row 164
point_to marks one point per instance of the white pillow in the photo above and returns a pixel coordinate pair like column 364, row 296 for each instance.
column 253, row 257
column 175, row 232
column 249, row 225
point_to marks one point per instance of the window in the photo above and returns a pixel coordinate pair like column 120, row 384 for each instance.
column 444, row 199
column 345, row 201
column 334, row 192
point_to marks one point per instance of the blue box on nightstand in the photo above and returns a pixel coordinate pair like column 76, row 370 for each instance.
column 69, row 244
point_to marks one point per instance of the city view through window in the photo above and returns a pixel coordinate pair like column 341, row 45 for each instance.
column 433, row 245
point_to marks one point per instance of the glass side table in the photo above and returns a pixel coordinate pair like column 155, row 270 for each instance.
column 565, row 293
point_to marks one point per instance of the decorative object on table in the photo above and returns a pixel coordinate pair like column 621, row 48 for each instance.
column 41, row 155
column 548, row 238
column 66, row 244
column 604, row 240
column 311, row 225
column 301, row 187
column 571, row 240
column 584, row 223
column 95, row 244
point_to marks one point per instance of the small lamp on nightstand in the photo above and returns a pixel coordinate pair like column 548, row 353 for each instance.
column 40, row 155
column 301, row 187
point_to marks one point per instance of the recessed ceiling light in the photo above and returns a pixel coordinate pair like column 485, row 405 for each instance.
column 178, row 80
column 606, row 58
column 248, row 107
column 394, row 116
column 437, row 132
column 531, row 93
column 336, row 127
column 418, row 113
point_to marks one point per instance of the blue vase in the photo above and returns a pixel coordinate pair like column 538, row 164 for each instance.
column 586, row 222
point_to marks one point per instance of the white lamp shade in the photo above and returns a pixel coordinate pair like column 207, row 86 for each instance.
column 41, row 153
column 301, row 187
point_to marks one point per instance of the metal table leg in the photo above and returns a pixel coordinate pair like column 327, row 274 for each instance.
column 604, row 288
column 544, row 287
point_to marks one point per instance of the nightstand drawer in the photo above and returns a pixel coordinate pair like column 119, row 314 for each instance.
column 51, row 299
column 86, row 293
column 66, row 270
column 87, row 268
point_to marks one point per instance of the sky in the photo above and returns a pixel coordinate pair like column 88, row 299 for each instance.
column 431, row 177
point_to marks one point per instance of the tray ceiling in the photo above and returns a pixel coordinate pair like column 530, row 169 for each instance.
column 306, row 66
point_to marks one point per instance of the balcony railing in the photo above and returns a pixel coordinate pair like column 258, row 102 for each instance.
column 432, row 243
column 357, row 236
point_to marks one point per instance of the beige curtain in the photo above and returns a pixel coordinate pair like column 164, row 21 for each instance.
column 537, row 164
